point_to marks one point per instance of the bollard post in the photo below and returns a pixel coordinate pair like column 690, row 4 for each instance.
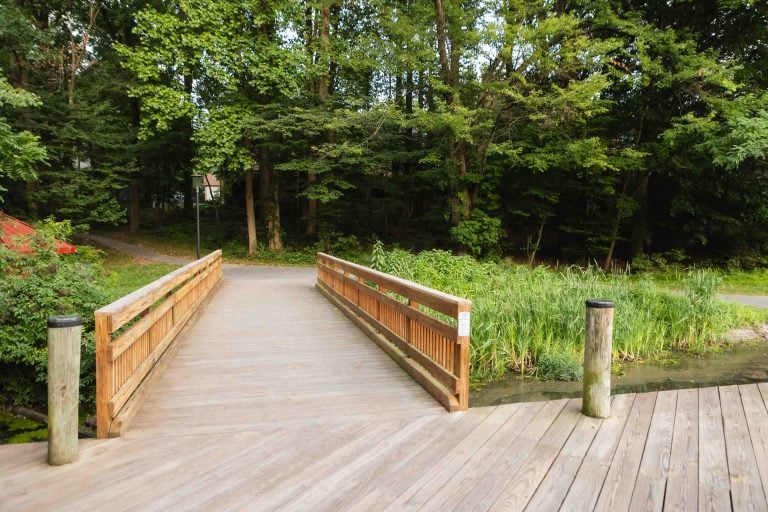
column 598, row 336
column 63, row 388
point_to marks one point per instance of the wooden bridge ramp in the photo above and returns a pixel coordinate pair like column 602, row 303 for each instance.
column 276, row 401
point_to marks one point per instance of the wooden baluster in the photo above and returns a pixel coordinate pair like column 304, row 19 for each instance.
column 413, row 336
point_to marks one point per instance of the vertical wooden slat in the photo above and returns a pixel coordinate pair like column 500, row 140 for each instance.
column 103, row 375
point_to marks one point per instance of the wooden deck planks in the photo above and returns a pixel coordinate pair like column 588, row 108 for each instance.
column 714, row 486
column 683, row 479
column 281, row 404
column 746, row 488
column 585, row 489
column 650, row 485
column 616, row 494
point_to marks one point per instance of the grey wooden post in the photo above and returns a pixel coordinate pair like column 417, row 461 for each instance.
column 63, row 388
column 596, row 400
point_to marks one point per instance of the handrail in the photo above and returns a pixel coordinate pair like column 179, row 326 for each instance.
column 391, row 311
column 127, row 356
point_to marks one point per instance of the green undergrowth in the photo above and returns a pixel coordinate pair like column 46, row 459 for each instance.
column 531, row 320
column 123, row 274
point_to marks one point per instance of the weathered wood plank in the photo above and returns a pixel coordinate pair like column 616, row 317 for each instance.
column 487, row 489
column 746, row 488
column 683, row 478
column 551, row 491
column 586, row 486
column 616, row 492
column 714, row 487
column 648, row 493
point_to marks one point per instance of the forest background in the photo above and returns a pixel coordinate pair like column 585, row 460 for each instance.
column 579, row 131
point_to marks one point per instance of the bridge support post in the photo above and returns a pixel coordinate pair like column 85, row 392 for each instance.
column 596, row 399
column 63, row 388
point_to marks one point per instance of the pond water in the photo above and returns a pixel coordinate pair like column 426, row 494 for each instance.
column 744, row 363
column 20, row 430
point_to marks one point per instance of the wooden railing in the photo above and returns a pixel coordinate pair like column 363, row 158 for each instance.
column 432, row 348
column 129, row 356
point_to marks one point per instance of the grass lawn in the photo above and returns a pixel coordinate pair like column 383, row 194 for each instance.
column 124, row 274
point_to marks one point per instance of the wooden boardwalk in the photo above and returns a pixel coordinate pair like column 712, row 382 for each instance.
column 275, row 401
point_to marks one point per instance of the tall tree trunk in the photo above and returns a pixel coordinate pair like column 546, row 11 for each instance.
column 323, row 92
column 270, row 195
column 134, row 206
column 275, row 229
column 616, row 226
column 250, row 214
column 640, row 219
column 33, row 209
column 461, row 202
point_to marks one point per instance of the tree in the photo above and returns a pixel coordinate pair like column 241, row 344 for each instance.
column 20, row 151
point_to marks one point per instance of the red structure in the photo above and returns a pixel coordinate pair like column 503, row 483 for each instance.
column 13, row 231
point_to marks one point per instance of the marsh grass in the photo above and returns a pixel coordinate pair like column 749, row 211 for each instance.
column 522, row 316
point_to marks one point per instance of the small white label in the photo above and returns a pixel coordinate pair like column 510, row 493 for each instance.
column 464, row 323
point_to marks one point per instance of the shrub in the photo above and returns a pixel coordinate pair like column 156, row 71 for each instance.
column 33, row 287
column 559, row 366
column 479, row 233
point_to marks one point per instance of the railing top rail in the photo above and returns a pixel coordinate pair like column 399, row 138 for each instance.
column 434, row 299
column 125, row 308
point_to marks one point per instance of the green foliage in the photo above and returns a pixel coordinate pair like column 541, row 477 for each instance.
column 20, row 151
column 33, row 287
column 479, row 233
column 559, row 366
column 524, row 318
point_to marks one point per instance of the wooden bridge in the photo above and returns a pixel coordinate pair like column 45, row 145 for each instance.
column 272, row 399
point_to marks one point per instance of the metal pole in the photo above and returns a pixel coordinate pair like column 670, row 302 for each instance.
column 197, row 201
column 64, row 334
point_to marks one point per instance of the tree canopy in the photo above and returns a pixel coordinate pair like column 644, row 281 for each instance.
column 574, row 130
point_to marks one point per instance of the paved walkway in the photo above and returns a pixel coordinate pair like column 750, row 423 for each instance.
column 758, row 301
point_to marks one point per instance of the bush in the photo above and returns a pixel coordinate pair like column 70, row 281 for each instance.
column 479, row 233
column 33, row 287
column 559, row 366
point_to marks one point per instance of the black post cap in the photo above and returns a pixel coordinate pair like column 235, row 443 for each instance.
column 64, row 321
column 599, row 304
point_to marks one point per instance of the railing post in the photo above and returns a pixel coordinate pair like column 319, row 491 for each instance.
column 596, row 401
column 461, row 355
column 63, row 388
column 103, row 374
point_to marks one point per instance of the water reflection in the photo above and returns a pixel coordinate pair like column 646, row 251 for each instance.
column 745, row 363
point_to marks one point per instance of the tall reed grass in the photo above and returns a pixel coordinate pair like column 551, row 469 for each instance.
column 523, row 316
